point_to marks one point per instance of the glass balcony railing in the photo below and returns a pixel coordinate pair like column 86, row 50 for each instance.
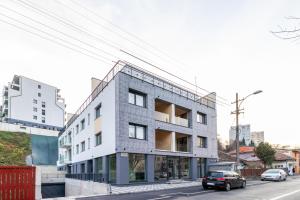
column 182, row 122
column 162, row 116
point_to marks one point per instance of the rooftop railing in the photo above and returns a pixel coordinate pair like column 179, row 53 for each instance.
column 142, row 74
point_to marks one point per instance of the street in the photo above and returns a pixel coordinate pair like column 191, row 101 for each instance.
column 288, row 190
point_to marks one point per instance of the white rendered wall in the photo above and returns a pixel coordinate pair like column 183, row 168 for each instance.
column 107, row 100
column 21, row 103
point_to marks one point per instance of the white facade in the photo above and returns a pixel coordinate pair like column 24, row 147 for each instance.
column 66, row 155
column 257, row 137
column 33, row 103
column 244, row 133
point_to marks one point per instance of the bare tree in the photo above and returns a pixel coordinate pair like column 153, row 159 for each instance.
column 289, row 32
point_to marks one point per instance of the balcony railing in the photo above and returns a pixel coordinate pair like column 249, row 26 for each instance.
column 87, row 177
column 162, row 116
column 182, row 122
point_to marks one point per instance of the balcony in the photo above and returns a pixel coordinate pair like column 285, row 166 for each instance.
column 162, row 117
column 183, row 142
column 163, row 140
column 66, row 143
column 182, row 122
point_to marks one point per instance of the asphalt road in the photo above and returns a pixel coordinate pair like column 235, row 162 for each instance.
column 288, row 190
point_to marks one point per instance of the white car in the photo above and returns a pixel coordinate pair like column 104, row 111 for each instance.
column 274, row 175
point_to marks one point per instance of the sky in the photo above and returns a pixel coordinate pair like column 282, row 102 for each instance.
column 222, row 46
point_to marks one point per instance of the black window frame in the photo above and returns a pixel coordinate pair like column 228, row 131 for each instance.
column 135, row 128
column 98, row 108
column 82, row 124
column 203, row 116
column 99, row 134
column 204, row 145
column 135, row 93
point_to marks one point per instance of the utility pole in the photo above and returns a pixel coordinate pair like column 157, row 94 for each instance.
column 237, row 128
column 237, row 111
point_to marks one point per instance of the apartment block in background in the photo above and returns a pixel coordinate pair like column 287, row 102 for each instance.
column 32, row 103
column 244, row 134
column 138, row 127
column 257, row 137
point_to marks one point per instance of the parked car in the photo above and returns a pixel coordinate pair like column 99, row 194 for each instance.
column 223, row 180
column 274, row 175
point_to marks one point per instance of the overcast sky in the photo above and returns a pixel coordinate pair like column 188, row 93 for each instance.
column 226, row 45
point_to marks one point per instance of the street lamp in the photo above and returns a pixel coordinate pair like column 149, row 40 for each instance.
column 237, row 111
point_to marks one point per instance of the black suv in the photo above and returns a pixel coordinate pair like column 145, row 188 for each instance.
column 223, row 180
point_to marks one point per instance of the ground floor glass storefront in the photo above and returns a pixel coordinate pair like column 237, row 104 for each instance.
column 201, row 167
column 171, row 167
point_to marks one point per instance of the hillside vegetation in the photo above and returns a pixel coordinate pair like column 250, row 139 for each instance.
column 14, row 147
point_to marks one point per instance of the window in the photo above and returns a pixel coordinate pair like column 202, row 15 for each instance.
column 39, row 86
column 43, row 120
column 137, row 98
column 43, row 104
column 77, row 149
column 89, row 118
column 34, row 109
column 43, row 112
column 136, row 167
column 202, row 142
column 97, row 111
column 34, row 101
column 83, row 146
column 201, row 118
column 39, row 94
column 77, row 128
column 35, row 117
column 89, row 143
column 137, row 131
column 98, row 139
column 99, row 165
column 82, row 123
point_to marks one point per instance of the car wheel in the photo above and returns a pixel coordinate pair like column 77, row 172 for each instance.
column 228, row 187
column 243, row 184
column 262, row 179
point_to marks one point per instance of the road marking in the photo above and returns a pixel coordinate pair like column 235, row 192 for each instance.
column 284, row 195
column 164, row 197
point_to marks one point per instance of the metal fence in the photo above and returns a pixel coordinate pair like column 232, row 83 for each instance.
column 87, row 177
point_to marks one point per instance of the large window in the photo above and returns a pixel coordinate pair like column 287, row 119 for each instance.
column 137, row 131
column 137, row 98
column 82, row 146
column 98, row 138
column 201, row 118
column 137, row 167
column 202, row 142
column 112, row 168
column 99, row 165
column 43, row 112
column 43, row 104
column 201, row 167
column 43, row 120
column 98, row 111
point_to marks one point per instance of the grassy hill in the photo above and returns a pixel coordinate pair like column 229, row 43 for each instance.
column 14, row 147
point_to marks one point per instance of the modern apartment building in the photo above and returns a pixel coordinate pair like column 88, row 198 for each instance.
column 257, row 137
column 32, row 103
column 138, row 126
column 244, row 134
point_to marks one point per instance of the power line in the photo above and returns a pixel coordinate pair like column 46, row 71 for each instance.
column 132, row 35
column 84, row 16
column 76, row 28
column 49, row 39
column 74, row 38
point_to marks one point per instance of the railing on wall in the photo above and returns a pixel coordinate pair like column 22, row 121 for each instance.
column 87, row 177
column 144, row 75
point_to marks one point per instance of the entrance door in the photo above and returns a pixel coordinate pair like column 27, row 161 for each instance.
column 173, row 168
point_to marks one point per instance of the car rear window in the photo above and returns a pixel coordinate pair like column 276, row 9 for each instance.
column 215, row 174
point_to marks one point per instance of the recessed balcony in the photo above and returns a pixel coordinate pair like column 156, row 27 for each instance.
column 183, row 142
column 163, row 111
column 181, row 116
column 163, row 140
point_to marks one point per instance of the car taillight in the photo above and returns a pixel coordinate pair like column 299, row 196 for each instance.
column 221, row 179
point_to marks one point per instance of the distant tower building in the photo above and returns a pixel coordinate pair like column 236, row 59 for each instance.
column 32, row 103
column 244, row 131
column 257, row 137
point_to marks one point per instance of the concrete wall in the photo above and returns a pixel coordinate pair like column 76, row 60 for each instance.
column 75, row 187
column 31, row 130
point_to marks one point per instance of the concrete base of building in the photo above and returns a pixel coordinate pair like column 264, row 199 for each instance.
column 75, row 187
